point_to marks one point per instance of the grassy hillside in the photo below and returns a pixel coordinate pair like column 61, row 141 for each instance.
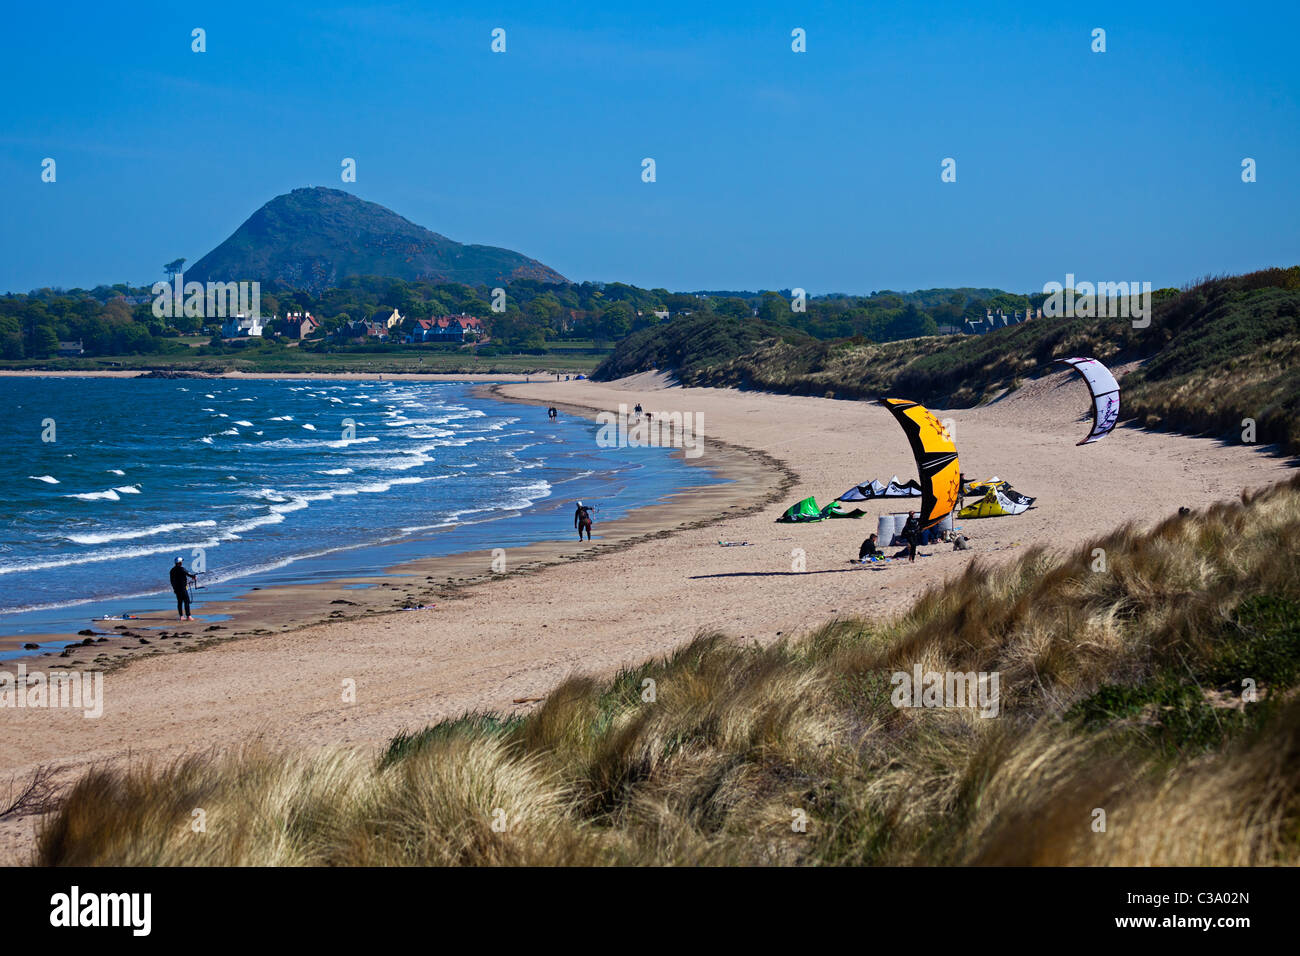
column 1121, row 691
column 690, row 344
column 314, row 238
column 1216, row 353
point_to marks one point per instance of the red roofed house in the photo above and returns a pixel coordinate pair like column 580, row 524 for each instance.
column 298, row 325
column 446, row 328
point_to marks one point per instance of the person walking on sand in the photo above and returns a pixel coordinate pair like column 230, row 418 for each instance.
column 582, row 520
column 181, row 579
column 911, row 531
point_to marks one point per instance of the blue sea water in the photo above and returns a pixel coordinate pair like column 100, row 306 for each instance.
column 267, row 482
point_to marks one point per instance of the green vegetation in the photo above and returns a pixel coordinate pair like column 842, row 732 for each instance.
column 1214, row 354
column 294, row 360
column 312, row 238
column 690, row 343
column 1125, row 689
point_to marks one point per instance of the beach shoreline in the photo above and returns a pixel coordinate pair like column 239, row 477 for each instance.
column 748, row 480
column 500, row 647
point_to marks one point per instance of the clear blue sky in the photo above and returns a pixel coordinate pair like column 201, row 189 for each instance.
column 818, row 170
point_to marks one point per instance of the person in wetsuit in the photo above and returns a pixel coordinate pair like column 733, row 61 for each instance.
column 582, row 520
column 869, row 549
column 181, row 579
column 911, row 533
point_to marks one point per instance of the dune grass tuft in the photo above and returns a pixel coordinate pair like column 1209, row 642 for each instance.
column 1147, row 715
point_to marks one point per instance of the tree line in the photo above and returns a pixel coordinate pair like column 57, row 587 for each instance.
column 119, row 319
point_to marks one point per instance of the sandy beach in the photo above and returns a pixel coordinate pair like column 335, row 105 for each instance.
column 647, row 585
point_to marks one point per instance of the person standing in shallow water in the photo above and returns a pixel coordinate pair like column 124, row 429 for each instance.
column 181, row 579
column 582, row 520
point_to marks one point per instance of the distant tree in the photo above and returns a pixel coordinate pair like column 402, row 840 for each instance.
column 733, row 307
column 173, row 267
column 616, row 321
column 909, row 324
column 774, row 308
column 45, row 341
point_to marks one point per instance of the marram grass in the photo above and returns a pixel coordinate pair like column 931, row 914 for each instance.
column 1123, row 703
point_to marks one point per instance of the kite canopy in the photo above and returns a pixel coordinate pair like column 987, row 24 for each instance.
column 936, row 458
column 874, row 489
column 1003, row 488
column 999, row 499
column 1105, row 395
column 836, row 510
column 805, row 510
column 995, row 504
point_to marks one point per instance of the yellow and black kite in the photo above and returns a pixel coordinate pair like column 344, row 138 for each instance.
column 936, row 458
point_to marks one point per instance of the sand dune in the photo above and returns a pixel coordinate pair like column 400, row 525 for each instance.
column 519, row 635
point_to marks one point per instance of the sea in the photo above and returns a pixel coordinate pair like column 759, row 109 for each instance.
column 269, row 482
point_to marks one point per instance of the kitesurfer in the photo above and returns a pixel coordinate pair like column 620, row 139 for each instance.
column 181, row 579
column 582, row 520
column 911, row 531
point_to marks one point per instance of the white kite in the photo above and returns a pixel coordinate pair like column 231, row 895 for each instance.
column 1105, row 395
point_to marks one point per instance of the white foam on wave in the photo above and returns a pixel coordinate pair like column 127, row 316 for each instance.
column 109, row 536
column 321, row 443
column 128, row 490
column 519, row 498
column 98, row 557
column 48, row 479
column 109, row 495
column 116, row 471
column 282, row 418
column 310, row 428
column 335, row 471
column 243, row 424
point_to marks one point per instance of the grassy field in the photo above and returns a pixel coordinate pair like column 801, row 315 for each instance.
column 293, row 360
column 1147, row 714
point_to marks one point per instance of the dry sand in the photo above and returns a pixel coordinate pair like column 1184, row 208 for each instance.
column 519, row 634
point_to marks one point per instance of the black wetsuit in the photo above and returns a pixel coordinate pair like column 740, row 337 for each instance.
column 582, row 521
column 180, row 579
column 911, row 532
column 869, row 550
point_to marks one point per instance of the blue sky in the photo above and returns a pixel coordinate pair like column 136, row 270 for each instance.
column 775, row 169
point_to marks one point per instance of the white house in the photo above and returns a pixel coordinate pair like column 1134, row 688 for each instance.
column 241, row 326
